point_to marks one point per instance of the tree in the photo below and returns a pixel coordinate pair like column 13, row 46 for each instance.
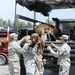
column 4, row 23
column 21, row 23
column 9, row 23
column 29, row 25
column 1, row 20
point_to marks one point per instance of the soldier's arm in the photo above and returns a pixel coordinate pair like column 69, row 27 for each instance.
column 57, row 47
column 29, row 49
column 18, row 49
column 56, row 54
column 53, row 45
column 22, row 40
column 26, row 47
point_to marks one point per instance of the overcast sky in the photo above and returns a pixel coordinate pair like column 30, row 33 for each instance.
column 7, row 8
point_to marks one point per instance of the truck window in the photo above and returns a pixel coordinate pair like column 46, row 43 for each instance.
column 68, row 28
column 3, row 38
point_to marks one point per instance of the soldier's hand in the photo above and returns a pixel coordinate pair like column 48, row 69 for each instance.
column 28, row 41
column 49, row 48
column 26, row 37
column 52, row 45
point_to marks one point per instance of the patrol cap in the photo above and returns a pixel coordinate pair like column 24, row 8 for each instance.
column 13, row 35
column 65, row 37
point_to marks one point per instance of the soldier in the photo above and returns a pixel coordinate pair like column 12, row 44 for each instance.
column 14, row 51
column 63, row 55
column 31, row 50
column 38, row 57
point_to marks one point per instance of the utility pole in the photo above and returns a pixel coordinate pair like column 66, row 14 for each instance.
column 48, row 19
column 15, row 17
column 49, row 16
column 34, row 12
column 34, row 19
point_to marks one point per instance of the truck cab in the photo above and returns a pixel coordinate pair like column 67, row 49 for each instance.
column 4, row 41
column 3, row 48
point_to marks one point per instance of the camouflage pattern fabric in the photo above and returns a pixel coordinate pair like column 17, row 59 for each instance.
column 14, row 51
column 39, row 62
column 29, row 62
column 63, row 55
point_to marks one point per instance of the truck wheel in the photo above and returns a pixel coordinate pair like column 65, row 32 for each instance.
column 2, row 60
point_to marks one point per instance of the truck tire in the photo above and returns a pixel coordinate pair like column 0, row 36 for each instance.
column 2, row 59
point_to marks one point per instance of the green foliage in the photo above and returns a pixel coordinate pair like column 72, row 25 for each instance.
column 9, row 23
column 1, row 22
column 29, row 25
column 5, row 23
column 20, row 23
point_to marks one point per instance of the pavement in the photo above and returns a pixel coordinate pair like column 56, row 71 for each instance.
column 4, row 70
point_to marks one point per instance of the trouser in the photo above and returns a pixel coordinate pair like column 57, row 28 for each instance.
column 40, row 67
column 39, row 63
column 64, row 69
column 23, row 70
column 31, row 69
column 14, row 68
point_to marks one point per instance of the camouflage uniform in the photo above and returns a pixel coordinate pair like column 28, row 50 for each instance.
column 39, row 62
column 14, row 51
column 29, row 62
column 63, row 55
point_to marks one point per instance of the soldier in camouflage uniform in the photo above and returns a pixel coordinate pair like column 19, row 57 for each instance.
column 63, row 55
column 39, row 63
column 31, row 50
column 14, row 51
column 38, row 58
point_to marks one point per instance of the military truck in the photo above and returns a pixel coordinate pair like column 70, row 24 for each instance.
column 4, row 41
column 51, row 62
column 66, row 27
column 48, row 5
